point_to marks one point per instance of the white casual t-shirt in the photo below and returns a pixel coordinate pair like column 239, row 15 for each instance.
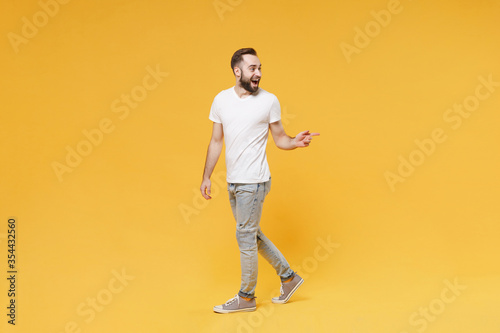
column 245, row 122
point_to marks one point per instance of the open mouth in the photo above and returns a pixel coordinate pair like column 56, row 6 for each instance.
column 255, row 82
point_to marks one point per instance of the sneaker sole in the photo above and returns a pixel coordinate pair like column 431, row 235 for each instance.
column 289, row 295
column 239, row 310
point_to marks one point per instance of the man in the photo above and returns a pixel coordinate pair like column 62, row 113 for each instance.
column 243, row 114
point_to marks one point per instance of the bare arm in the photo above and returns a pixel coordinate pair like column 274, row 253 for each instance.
column 283, row 141
column 213, row 153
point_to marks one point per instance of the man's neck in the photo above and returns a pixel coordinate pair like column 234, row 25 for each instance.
column 241, row 92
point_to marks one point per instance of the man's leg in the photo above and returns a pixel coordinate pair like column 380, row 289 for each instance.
column 246, row 201
column 290, row 281
column 270, row 252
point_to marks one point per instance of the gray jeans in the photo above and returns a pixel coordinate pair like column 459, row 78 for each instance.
column 246, row 202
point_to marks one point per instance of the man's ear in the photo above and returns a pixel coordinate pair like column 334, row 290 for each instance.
column 237, row 71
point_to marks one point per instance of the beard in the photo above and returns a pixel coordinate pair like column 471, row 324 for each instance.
column 247, row 84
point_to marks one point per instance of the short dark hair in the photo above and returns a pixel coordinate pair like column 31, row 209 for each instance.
column 238, row 56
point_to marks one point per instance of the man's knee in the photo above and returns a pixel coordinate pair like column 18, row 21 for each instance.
column 247, row 238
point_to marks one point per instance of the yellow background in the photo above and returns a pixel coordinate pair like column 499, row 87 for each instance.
column 132, row 204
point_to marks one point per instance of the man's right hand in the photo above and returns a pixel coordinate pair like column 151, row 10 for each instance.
column 205, row 189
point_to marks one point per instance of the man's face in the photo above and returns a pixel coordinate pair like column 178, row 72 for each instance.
column 251, row 73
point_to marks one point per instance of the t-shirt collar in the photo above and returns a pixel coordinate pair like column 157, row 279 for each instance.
column 244, row 99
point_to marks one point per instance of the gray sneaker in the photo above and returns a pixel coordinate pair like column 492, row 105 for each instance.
column 236, row 304
column 287, row 289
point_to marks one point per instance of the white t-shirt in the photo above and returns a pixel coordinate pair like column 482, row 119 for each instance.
column 245, row 122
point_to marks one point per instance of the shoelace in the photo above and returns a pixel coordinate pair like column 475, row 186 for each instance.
column 232, row 300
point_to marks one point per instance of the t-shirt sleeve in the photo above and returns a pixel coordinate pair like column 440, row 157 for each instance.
column 275, row 113
column 214, row 112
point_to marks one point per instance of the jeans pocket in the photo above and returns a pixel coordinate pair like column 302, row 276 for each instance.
column 247, row 188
